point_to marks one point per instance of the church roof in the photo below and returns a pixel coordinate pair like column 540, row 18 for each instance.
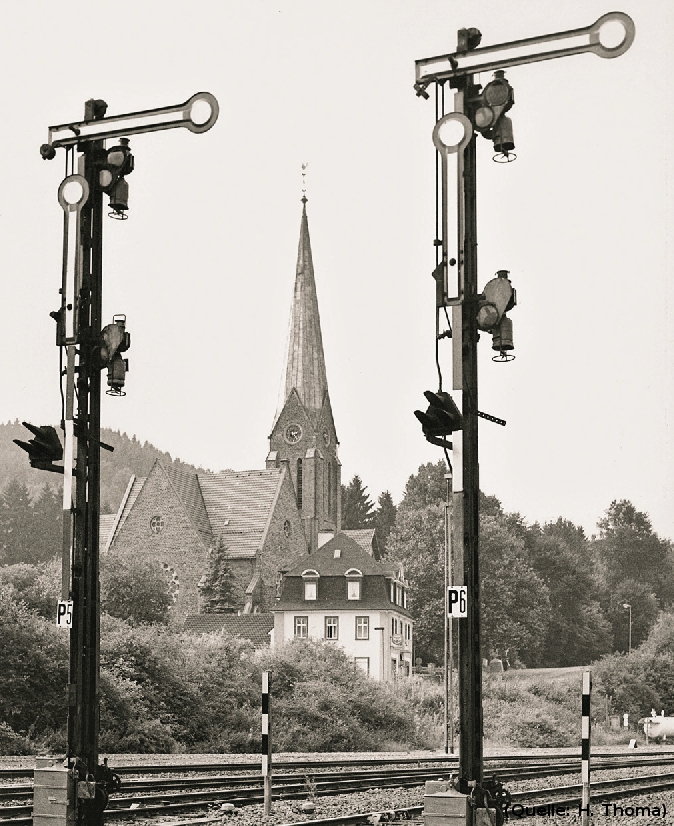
column 239, row 505
column 305, row 361
column 234, row 505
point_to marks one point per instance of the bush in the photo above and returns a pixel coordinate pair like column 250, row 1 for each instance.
column 34, row 674
column 12, row 743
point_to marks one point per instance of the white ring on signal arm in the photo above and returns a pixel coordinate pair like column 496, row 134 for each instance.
column 215, row 111
column 612, row 51
column 463, row 142
column 68, row 206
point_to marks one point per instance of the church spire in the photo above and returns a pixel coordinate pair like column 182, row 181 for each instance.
column 305, row 361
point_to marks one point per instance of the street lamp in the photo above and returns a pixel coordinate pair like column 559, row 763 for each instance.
column 628, row 607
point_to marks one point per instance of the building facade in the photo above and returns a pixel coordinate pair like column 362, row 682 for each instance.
column 342, row 594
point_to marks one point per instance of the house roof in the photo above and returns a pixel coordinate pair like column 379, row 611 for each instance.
column 352, row 556
column 253, row 627
column 366, row 538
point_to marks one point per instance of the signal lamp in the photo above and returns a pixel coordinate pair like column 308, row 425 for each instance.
column 440, row 419
column 43, row 449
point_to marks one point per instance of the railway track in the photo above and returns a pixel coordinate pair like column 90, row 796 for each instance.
column 169, row 795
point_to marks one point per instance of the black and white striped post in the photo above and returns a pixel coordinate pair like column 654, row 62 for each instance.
column 266, row 742
column 585, row 748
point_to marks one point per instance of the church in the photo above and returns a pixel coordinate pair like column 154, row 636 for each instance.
column 264, row 520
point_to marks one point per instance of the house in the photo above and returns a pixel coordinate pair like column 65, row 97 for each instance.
column 341, row 593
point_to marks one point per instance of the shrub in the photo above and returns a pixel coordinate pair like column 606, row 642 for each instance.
column 12, row 743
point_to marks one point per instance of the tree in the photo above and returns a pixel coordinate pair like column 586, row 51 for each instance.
column 384, row 519
column 515, row 600
column 134, row 589
column 357, row 507
column 16, row 536
column 418, row 541
column 629, row 549
column 578, row 631
column 427, row 486
column 218, row 585
column 47, row 524
column 38, row 587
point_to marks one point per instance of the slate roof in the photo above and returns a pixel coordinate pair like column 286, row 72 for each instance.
column 234, row 505
column 366, row 538
column 253, row 627
column 105, row 527
column 239, row 505
column 352, row 556
column 305, row 360
column 186, row 486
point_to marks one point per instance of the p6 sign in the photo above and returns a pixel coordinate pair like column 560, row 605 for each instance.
column 457, row 601
column 64, row 613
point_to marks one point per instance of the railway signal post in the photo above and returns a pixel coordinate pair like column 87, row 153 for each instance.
column 457, row 293
column 89, row 348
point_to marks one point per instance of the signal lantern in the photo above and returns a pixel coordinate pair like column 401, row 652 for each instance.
column 118, row 162
column 117, row 370
column 498, row 297
column 488, row 113
column 44, row 448
column 114, row 341
column 440, row 419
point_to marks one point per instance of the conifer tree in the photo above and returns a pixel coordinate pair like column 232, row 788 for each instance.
column 218, row 585
column 357, row 507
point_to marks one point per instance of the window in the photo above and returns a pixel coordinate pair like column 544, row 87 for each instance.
column 287, row 530
column 299, row 484
column 331, row 628
column 408, row 632
column 394, row 625
column 302, row 627
column 363, row 663
column 157, row 524
column 310, row 589
column 393, row 592
column 362, row 628
column 353, row 589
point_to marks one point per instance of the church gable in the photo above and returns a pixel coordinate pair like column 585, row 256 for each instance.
column 159, row 527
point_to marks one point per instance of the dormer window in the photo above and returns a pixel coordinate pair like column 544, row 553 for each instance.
column 337, row 554
column 310, row 578
column 354, row 579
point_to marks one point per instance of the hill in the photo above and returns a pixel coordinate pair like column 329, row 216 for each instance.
column 130, row 457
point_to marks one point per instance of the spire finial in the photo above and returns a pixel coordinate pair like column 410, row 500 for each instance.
column 304, row 183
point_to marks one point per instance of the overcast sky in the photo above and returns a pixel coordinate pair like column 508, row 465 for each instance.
column 204, row 268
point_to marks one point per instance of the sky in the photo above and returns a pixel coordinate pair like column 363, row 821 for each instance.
column 204, row 267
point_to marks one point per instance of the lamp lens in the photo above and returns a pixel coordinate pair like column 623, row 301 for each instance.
column 483, row 117
column 497, row 93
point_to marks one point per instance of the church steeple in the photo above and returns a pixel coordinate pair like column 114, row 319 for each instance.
column 305, row 361
column 304, row 438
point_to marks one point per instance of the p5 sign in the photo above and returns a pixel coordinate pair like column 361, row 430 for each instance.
column 64, row 613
